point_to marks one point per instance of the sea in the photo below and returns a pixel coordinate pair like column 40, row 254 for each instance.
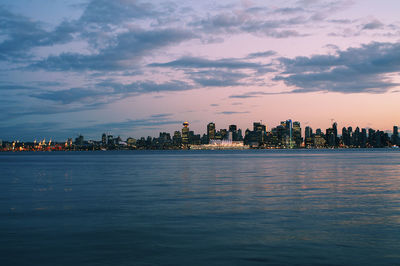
column 204, row 207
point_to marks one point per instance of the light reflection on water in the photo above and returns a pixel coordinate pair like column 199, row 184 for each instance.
column 325, row 207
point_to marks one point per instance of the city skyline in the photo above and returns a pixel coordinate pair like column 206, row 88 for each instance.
column 135, row 68
column 287, row 134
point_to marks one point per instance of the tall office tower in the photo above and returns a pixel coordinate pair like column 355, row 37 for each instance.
column 344, row 136
column 318, row 132
column 334, row 127
column 79, row 140
column 110, row 140
column 297, row 134
column 395, row 136
column 356, row 137
column 330, row 137
column 210, row 131
column 185, row 133
column 224, row 133
column 177, row 138
column 232, row 128
column 259, row 131
column 308, row 132
column 104, row 139
column 363, row 138
column 240, row 135
column 350, row 134
column 257, row 126
column 233, row 131
column 289, row 130
column 308, row 138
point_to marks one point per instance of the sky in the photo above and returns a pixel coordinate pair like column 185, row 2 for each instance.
column 135, row 68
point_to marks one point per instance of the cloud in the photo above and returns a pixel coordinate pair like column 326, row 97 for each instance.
column 121, row 55
column 254, row 94
column 355, row 70
column 232, row 112
column 241, row 22
column 197, row 62
column 103, row 12
column 274, row 22
column 219, row 72
column 373, row 25
column 161, row 115
column 261, row 54
column 21, row 34
column 218, row 78
column 106, row 92
column 70, row 95
column 13, row 87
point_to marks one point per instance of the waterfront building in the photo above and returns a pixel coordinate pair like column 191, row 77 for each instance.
column 131, row 142
column 224, row 133
column 240, row 135
column 110, row 140
column 334, row 127
column 177, row 138
column 319, row 141
column 233, row 132
column 104, row 139
column 185, row 133
column 308, row 132
column 79, row 140
column 210, row 131
column 298, row 140
column 308, row 137
column 395, row 136
column 363, row 138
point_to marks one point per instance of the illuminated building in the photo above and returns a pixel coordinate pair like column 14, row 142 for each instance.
column 223, row 133
column 131, row 142
column 79, row 140
column 185, row 133
column 110, row 140
column 319, row 141
column 177, row 138
column 395, row 136
column 233, row 131
column 210, row 131
column 298, row 140
column 104, row 139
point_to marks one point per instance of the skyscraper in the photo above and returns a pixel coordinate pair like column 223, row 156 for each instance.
column 185, row 133
column 210, row 131
column 177, row 138
column 297, row 134
column 395, row 136
column 104, row 139
column 233, row 132
column 308, row 132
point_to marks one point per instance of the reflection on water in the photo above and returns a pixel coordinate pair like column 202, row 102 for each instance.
column 296, row 207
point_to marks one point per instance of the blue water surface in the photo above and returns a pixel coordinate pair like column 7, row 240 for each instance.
column 253, row 207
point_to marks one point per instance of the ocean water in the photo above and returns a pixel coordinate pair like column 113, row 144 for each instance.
column 254, row 207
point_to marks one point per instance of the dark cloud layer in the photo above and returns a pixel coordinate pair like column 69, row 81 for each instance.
column 354, row 70
column 197, row 62
column 107, row 92
column 122, row 55
column 22, row 34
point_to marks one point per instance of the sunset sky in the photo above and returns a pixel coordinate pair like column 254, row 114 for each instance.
column 135, row 68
